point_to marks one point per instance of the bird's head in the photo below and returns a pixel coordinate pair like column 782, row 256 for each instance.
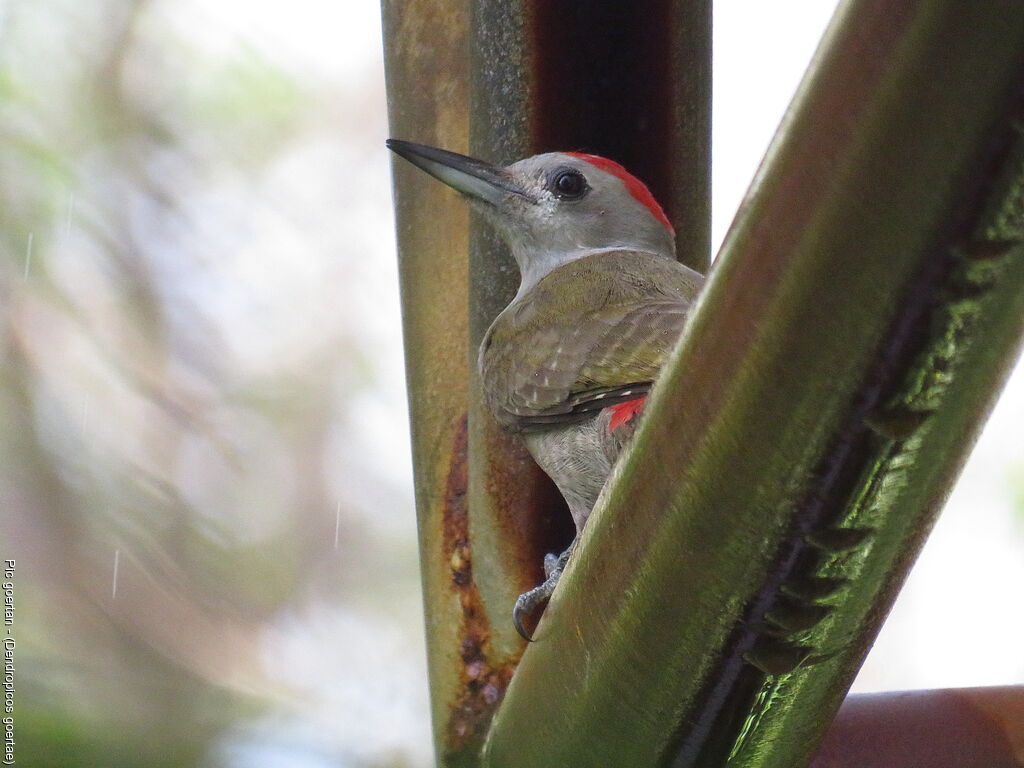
column 553, row 208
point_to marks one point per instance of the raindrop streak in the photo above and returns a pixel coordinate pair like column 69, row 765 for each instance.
column 117, row 561
column 337, row 524
column 28, row 254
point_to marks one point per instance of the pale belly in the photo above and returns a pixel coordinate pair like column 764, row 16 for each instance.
column 579, row 458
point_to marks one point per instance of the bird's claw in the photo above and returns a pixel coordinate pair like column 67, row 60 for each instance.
column 528, row 602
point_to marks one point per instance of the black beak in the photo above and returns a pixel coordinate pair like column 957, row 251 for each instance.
column 471, row 177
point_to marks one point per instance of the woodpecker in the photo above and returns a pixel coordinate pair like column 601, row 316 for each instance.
column 569, row 362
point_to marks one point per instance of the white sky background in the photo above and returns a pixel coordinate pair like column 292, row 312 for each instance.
column 954, row 625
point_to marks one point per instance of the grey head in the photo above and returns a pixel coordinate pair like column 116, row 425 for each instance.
column 553, row 208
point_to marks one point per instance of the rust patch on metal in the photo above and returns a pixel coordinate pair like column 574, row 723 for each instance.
column 482, row 682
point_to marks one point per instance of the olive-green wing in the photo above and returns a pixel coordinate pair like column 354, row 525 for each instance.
column 591, row 334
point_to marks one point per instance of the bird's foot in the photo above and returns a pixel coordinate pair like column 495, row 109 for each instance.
column 528, row 602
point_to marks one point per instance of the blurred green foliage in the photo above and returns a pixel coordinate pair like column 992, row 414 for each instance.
column 179, row 475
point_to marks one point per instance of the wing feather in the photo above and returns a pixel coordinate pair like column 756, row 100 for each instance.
column 590, row 334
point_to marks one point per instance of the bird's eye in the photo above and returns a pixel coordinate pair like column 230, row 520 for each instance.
column 569, row 184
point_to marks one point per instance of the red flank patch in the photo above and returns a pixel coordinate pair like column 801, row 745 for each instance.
column 623, row 413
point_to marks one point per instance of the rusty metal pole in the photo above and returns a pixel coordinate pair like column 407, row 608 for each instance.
column 427, row 68
column 502, row 79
